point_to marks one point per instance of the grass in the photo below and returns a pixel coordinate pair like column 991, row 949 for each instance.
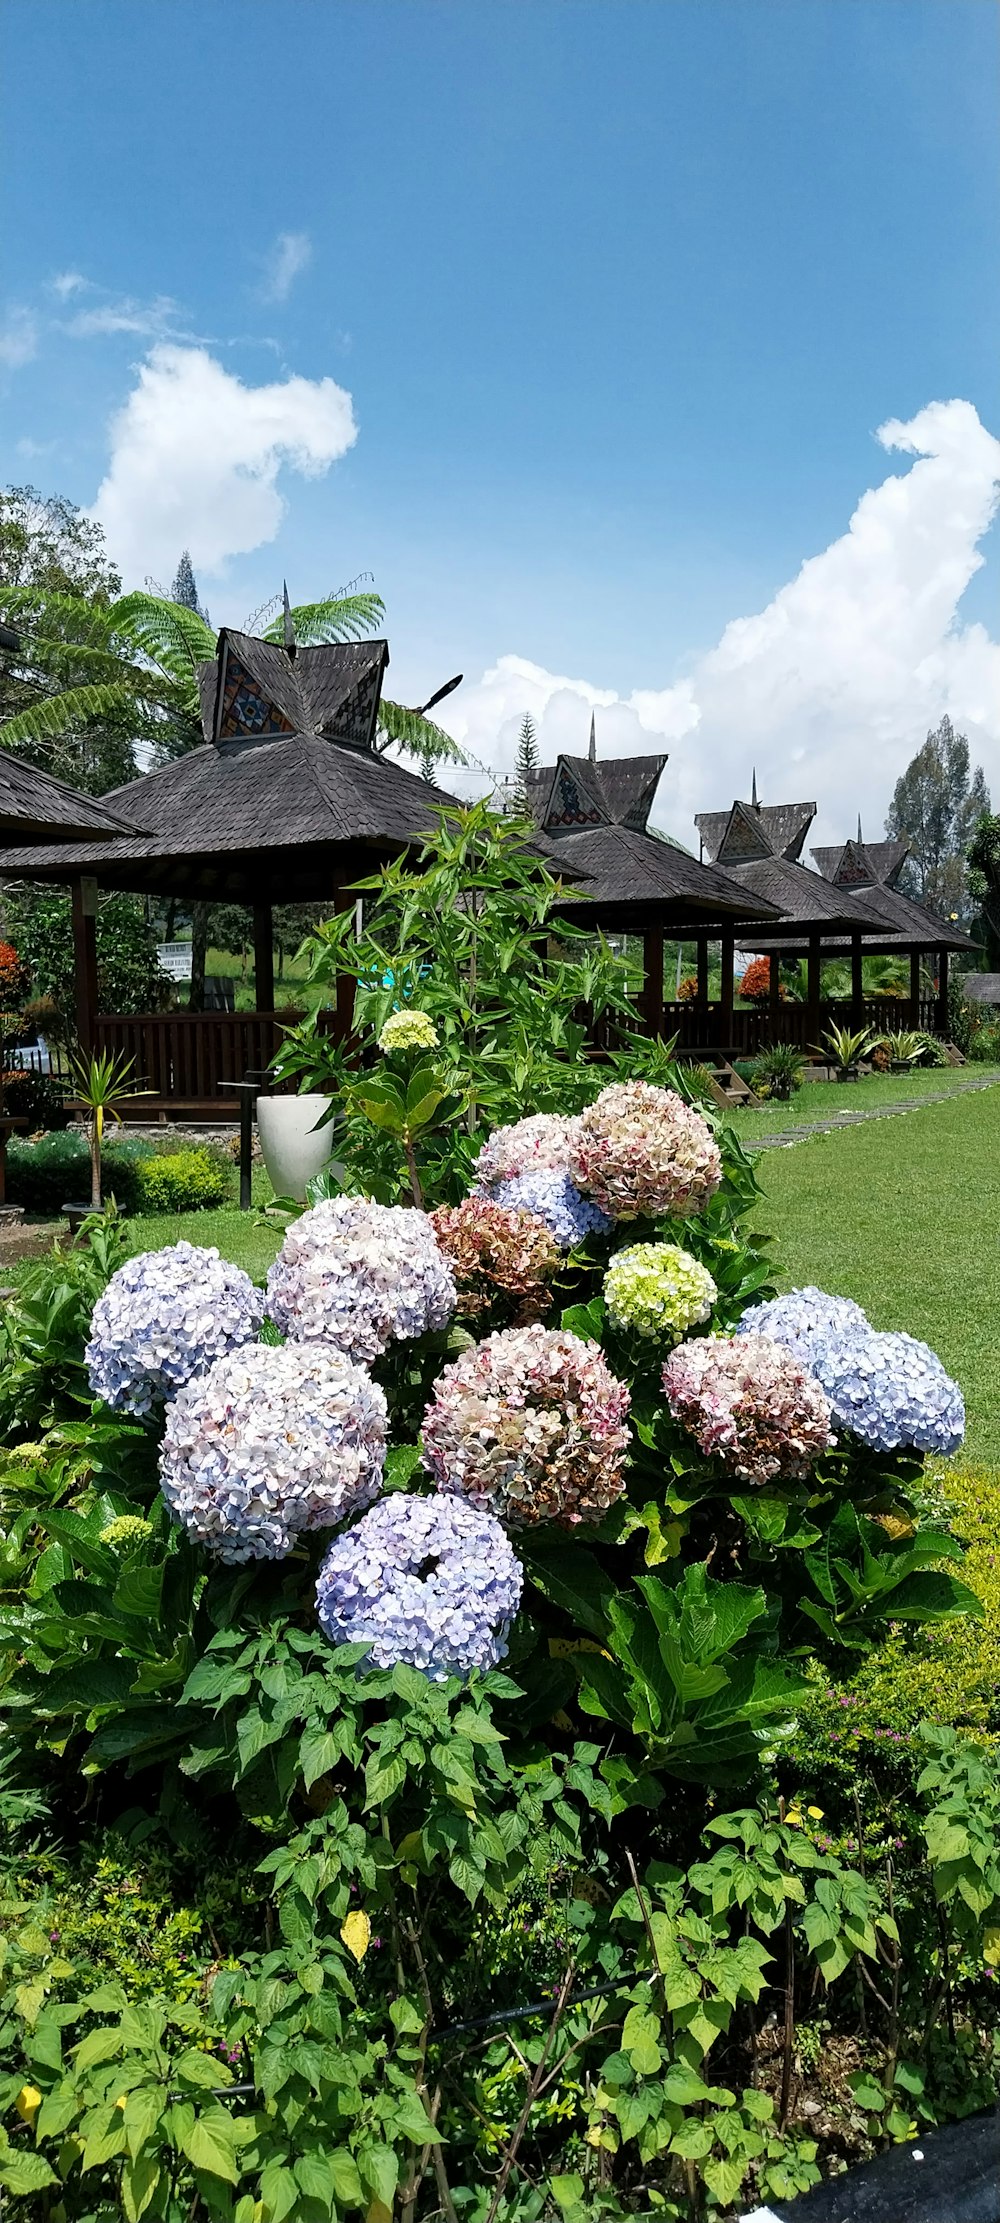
column 902, row 1216
column 830, row 1099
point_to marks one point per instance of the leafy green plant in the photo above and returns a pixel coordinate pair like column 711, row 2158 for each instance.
column 101, row 1084
column 184, row 1181
column 43, row 1331
column 778, row 1070
column 845, row 1048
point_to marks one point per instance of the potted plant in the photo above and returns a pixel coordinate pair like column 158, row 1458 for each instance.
column 296, row 1131
column 845, row 1050
column 101, row 1084
column 778, row 1071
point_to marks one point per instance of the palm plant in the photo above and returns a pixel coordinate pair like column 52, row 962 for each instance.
column 778, row 1071
column 99, row 659
column 101, row 1085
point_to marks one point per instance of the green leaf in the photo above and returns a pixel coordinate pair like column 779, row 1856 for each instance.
column 379, row 2170
column 143, row 2111
column 723, row 2179
column 200, row 2070
column 319, row 1751
column 140, row 2182
column 279, row 2192
column 209, row 2145
column 25, row 2172
column 346, row 2181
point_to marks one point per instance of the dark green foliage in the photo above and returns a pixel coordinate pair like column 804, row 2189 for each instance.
column 43, row 1330
column 128, row 971
column 43, row 1176
column 36, row 1097
column 185, row 1181
column 777, row 1072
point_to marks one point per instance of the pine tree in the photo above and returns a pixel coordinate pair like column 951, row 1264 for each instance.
column 527, row 760
column 185, row 588
column 935, row 807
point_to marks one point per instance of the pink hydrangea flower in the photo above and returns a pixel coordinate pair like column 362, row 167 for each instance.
column 528, row 1146
column 530, row 1425
column 641, row 1152
column 747, row 1401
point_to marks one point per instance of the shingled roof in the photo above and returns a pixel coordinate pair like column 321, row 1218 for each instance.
column 749, row 830
column 35, row 807
column 266, row 810
column 578, row 791
column 855, row 864
column 629, row 878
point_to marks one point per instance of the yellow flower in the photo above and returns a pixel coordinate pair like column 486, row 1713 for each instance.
column 793, row 1818
column 815, row 1813
column 121, row 2101
column 28, row 2102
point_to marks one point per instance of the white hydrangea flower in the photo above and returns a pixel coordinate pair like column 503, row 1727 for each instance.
column 361, row 1276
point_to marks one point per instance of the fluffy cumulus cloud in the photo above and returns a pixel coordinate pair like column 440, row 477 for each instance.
column 196, row 457
column 831, row 687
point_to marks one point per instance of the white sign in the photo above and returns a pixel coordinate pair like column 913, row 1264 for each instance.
column 175, row 959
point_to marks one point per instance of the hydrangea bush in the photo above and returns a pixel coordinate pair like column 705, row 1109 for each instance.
column 748, row 1402
column 497, row 1256
column 641, row 1153
column 889, row 1391
column 165, row 1316
column 360, row 1276
column 553, row 1198
column 430, row 1582
column 530, row 1424
column 658, row 1290
column 272, row 1441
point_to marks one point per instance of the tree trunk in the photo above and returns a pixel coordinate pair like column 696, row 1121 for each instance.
column 199, row 950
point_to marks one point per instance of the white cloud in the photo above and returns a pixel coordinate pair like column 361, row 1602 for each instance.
column 196, row 454
column 152, row 320
column 67, row 282
column 18, row 338
column 286, row 261
column 830, row 689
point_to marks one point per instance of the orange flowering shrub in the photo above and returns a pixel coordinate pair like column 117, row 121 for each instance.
column 755, row 985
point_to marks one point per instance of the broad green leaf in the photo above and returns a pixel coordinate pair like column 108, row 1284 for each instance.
column 140, row 2182
column 25, row 2172
column 209, row 2145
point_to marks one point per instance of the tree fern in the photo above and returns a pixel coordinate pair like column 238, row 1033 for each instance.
column 55, row 715
column 420, row 737
column 344, row 617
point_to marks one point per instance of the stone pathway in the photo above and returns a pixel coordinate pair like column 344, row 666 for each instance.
column 786, row 1136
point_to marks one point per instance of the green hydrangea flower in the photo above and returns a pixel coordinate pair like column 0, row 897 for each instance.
column 658, row 1290
column 127, row 1529
column 408, row 1030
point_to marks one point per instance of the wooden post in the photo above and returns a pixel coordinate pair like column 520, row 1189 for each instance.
column 652, row 980
column 942, row 994
column 915, row 957
column 857, row 981
column 346, row 984
column 813, row 978
column 726, row 995
column 263, row 956
column 85, row 962
column 703, row 968
column 774, row 996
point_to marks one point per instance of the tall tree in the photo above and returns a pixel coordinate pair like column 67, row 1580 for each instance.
column 935, row 807
column 527, row 759
column 185, row 587
column 50, row 551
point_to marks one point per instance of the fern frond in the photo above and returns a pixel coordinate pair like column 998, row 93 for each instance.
column 55, row 715
column 67, row 615
column 344, row 617
column 75, row 662
column 420, row 737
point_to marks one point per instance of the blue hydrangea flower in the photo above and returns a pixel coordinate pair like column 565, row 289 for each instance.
column 553, row 1197
column 164, row 1317
column 890, row 1391
column 431, row 1582
column 272, row 1441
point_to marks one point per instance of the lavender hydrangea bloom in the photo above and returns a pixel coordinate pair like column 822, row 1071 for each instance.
column 804, row 1319
column 164, row 1317
column 532, row 1145
column 429, row 1582
column 272, row 1441
column 360, row 1275
column 553, row 1197
column 890, row 1391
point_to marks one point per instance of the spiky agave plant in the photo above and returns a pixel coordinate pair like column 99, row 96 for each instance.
column 102, row 1083
column 143, row 648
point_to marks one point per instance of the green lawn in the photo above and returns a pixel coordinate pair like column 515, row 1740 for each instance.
column 902, row 1215
column 830, row 1099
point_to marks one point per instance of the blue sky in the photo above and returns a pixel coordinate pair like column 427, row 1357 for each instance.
column 620, row 291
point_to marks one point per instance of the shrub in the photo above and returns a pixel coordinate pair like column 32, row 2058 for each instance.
column 778, row 1071
column 984, row 1043
column 43, row 1176
column 36, row 1097
column 755, row 986
column 183, row 1181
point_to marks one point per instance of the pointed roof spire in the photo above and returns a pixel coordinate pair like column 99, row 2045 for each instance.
column 592, row 751
column 860, row 834
column 289, row 626
column 753, row 791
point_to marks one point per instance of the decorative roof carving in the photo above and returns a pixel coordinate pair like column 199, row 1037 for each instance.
column 255, row 690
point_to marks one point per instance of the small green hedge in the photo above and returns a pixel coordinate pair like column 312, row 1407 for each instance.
column 43, row 1176
column 186, row 1181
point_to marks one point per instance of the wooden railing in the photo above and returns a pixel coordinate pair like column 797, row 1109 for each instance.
column 698, row 1026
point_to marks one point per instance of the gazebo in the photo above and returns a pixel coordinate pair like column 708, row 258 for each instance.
column 592, row 827
column 847, row 910
column 286, row 801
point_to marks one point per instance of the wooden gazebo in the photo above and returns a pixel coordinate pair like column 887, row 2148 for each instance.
column 592, row 826
column 286, row 801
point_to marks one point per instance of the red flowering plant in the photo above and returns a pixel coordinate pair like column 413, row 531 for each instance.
column 755, row 986
column 688, row 989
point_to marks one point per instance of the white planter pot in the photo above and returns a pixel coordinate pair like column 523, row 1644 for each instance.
column 294, row 1149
